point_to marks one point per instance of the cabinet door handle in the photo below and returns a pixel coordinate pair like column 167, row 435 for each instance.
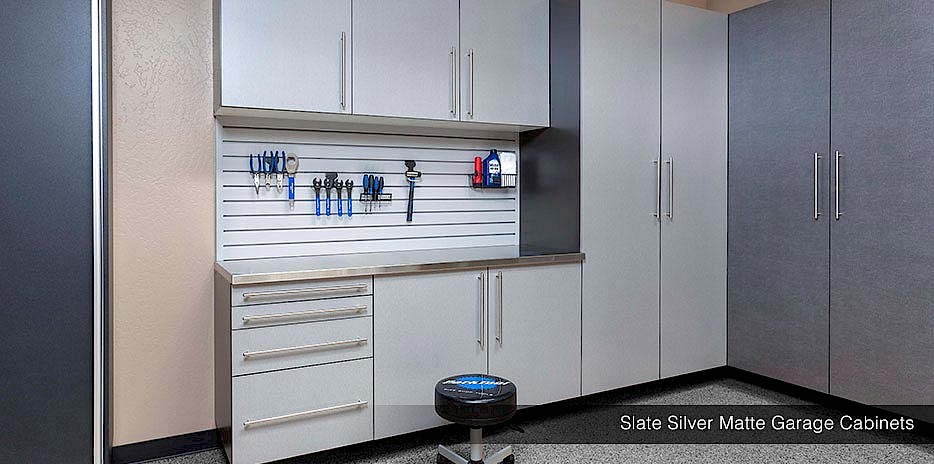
column 499, row 324
column 304, row 348
column 303, row 314
column 343, row 71
column 836, row 175
column 671, row 188
column 658, row 190
column 305, row 414
column 817, row 213
column 454, row 81
column 302, row 291
column 481, row 305
column 470, row 87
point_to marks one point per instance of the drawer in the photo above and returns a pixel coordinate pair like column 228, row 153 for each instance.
column 297, row 291
column 288, row 413
column 265, row 315
column 285, row 346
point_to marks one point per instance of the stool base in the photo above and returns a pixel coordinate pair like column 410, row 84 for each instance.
column 447, row 456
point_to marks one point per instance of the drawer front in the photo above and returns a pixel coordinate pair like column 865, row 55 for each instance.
column 272, row 348
column 288, row 413
column 298, row 291
column 265, row 315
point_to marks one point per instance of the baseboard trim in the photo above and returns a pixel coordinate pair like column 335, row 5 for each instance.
column 161, row 448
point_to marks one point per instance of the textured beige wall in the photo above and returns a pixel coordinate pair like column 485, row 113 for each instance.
column 163, row 218
column 729, row 6
column 694, row 3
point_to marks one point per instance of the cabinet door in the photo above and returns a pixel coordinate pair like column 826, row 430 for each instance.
column 620, row 130
column 286, row 54
column 777, row 252
column 882, row 284
column 535, row 330
column 426, row 327
column 504, row 50
column 405, row 58
column 694, row 119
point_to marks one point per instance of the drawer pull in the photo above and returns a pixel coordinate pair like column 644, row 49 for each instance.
column 302, row 291
column 305, row 414
column 302, row 314
column 303, row 348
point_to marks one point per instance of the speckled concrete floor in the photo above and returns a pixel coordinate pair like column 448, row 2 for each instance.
column 420, row 448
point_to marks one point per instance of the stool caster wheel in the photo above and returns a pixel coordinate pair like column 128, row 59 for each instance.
column 509, row 460
column 444, row 460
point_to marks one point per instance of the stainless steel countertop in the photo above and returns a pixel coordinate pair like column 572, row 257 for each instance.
column 265, row 271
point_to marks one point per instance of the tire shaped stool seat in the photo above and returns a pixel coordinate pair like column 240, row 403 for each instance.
column 477, row 401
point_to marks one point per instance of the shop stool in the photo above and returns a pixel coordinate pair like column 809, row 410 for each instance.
column 477, row 401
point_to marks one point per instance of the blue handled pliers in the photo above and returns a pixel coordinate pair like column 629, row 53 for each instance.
column 276, row 168
column 255, row 173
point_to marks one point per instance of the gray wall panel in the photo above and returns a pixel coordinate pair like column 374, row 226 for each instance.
column 882, row 283
column 778, row 254
column 550, row 168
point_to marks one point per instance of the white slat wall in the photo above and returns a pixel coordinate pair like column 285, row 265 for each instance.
column 448, row 213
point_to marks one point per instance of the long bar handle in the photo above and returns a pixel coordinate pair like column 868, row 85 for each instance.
column 671, row 188
column 470, row 87
column 658, row 190
column 481, row 305
column 817, row 213
column 454, row 81
column 305, row 414
column 836, row 170
column 343, row 71
column 499, row 323
column 302, row 291
column 303, row 314
column 303, row 348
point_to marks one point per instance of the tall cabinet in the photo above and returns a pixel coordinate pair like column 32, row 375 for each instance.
column 831, row 135
column 881, row 253
column 779, row 192
column 653, row 200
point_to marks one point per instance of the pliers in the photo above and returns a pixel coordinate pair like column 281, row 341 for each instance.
column 277, row 167
column 255, row 173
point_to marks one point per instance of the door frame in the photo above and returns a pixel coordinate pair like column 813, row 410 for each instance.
column 100, row 147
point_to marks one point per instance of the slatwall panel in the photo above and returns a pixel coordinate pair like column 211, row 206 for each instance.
column 448, row 213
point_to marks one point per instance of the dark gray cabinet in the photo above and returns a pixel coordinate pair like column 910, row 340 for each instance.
column 882, row 276
column 778, row 265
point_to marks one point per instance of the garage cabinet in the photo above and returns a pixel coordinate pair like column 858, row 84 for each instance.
column 406, row 58
column 535, row 328
column 504, row 49
column 653, row 204
column 458, row 60
column 284, row 54
column 429, row 326
column 521, row 323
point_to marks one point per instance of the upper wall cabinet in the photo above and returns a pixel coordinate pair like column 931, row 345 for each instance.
column 504, row 46
column 285, row 54
column 473, row 61
column 405, row 58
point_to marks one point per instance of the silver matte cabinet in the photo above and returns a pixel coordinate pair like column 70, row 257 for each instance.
column 285, row 54
column 620, row 227
column 535, row 330
column 882, row 255
column 505, row 61
column 694, row 154
column 426, row 327
column 779, row 191
column 406, row 58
